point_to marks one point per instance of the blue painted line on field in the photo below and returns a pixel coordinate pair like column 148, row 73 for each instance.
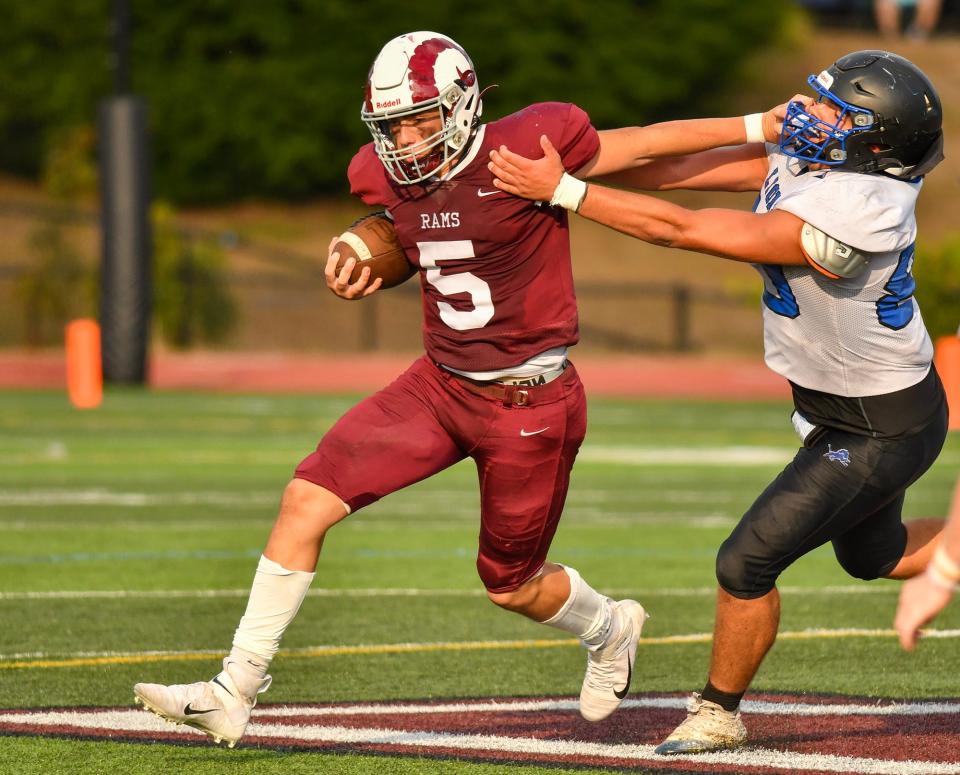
column 572, row 551
column 360, row 554
column 9, row 559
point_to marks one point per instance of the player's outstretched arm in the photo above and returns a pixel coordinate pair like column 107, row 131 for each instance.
column 768, row 238
column 622, row 149
column 714, row 154
column 760, row 238
column 339, row 282
column 640, row 157
column 923, row 597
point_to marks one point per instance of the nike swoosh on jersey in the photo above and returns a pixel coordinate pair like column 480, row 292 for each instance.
column 488, row 193
column 533, row 433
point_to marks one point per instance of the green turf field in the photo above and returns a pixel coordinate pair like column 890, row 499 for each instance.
column 176, row 493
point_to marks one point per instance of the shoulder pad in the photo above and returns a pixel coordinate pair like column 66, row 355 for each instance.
column 830, row 256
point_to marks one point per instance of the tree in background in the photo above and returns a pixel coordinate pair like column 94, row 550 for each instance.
column 937, row 271
column 57, row 284
column 192, row 301
column 263, row 99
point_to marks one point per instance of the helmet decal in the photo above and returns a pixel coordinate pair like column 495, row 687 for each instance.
column 368, row 93
column 423, row 82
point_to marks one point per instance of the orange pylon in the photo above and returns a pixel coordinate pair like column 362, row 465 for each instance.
column 84, row 369
column 947, row 360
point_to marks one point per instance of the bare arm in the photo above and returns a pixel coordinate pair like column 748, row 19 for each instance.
column 671, row 154
column 740, row 168
column 622, row 149
column 767, row 238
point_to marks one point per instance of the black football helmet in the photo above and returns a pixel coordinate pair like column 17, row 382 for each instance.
column 896, row 114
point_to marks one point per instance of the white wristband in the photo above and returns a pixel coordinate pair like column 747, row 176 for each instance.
column 938, row 579
column 945, row 564
column 753, row 123
column 569, row 193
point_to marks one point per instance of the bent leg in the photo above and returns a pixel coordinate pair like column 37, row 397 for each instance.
column 307, row 511
column 922, row 538
column 285, row 572
column 881, row 544
column 743, row 633
column 523, row 486
column 854, row 502
column 541, row 597
column 384, row 443
column 523, row 483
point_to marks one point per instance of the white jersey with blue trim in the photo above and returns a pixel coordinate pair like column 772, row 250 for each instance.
column 852, row 337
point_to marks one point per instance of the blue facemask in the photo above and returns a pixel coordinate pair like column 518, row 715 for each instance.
column 814, row 140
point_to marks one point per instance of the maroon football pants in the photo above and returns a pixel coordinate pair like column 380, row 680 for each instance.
column 427, row 420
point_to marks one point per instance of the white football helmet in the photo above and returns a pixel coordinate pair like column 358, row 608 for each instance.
column 414, row 73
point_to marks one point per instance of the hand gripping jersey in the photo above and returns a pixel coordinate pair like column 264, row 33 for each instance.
column 852, row 337
column 495, row 273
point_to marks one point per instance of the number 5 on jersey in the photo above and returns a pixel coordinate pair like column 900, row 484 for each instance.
column 431, row 254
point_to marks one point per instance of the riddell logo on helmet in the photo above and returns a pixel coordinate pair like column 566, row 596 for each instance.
column 389, row 103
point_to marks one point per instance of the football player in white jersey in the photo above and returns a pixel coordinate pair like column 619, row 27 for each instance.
column 832, row 235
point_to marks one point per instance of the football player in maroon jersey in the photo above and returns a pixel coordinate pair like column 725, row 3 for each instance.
column 495, row 383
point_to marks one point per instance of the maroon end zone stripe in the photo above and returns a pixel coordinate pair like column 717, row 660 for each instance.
column 932, row 737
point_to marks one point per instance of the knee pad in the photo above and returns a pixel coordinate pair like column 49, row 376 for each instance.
column 860, row 565
column 739, row 576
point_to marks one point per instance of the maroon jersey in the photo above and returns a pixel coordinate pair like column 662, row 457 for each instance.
column 495, row 273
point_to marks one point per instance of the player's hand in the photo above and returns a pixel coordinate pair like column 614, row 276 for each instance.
column 773, row 118
column 920, row 601
column 530, row 178
column 339, row 282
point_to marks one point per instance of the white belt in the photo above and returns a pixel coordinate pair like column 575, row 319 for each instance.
column 537, row 379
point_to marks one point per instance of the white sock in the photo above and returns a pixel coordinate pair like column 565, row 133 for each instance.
column 248, row 672
column 275, row 598
column 586, row 613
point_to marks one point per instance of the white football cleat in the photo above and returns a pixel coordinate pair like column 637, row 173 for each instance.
column 708, row 727
column 215, row 707
column 610, row 668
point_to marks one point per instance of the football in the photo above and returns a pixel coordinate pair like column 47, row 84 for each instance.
column 372, row 240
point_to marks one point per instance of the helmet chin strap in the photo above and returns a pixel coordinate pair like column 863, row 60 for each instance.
column 484, row 91
column 931, row 159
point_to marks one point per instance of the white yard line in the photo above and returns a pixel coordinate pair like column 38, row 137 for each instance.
column 138, row 721
column 105, row 497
